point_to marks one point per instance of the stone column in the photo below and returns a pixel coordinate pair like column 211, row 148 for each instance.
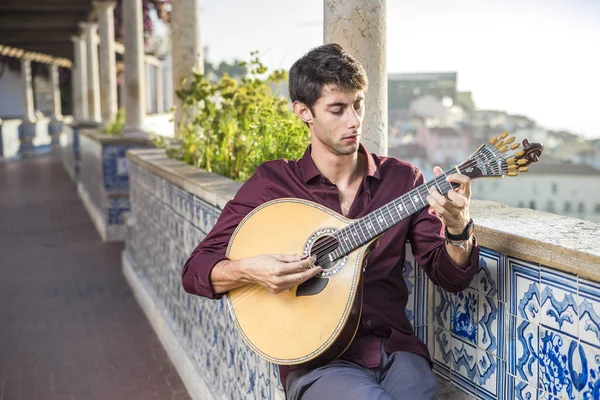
column 108, row 64
column 56, row 107
column 187, row 48
column 359, row 26
column 135, row 77
column 160, row 87
column 55, row 126
column 28, row 130
column 28, row 104
column 93, row 77
column 80, row 99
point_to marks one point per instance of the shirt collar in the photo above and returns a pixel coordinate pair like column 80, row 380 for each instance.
column 309, row 170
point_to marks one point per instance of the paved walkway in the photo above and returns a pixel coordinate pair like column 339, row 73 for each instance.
column 70, row 327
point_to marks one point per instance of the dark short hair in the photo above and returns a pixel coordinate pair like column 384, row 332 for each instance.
column 326, row 64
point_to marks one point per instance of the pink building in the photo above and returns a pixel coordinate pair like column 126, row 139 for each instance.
column 443, row 145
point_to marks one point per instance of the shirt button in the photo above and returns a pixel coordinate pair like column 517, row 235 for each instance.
column 369, row 322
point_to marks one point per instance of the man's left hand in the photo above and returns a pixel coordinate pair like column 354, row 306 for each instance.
column 453, row 208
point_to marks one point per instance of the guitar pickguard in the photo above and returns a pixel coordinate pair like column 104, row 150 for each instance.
column 311, row 287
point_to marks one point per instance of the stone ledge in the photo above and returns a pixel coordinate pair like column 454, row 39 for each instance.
column 564, row 243
column 215, row 189
column 95, row 134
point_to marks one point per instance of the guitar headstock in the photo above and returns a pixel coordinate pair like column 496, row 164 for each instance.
column 501, row 157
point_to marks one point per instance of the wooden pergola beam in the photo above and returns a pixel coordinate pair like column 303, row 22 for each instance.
column 39, row 21
column 14, row 37
column 34, row 56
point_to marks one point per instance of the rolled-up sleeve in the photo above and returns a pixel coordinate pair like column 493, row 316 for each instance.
column 197, row 269
column 428, row 244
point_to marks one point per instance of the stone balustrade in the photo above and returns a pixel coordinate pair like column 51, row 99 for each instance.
column 528, row 326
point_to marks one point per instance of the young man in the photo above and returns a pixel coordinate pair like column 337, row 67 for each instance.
column 385, row 360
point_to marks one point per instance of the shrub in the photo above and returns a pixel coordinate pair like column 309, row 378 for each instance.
column 231, row 127
column 114, row 127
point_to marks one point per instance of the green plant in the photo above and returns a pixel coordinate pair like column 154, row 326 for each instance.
column 231, row 127
column 114, row 127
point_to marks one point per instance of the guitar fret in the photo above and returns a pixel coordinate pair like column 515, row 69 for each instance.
column 397, row 210
column 365, row 236
column 438, row 185
column 387, row 207
column 404, row 205
column 413, row 203
column 381, row 230
column 382, row 217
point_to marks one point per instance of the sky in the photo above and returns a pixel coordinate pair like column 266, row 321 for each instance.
column 539, row 58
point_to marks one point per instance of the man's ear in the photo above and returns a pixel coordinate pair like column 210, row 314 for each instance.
column 303, row 112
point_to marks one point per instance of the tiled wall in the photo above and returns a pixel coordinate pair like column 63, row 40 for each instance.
column 104, row 176
column 167, row 223
column 70, row 152
column 520, row 331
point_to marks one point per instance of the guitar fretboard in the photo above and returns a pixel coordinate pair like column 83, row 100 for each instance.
column 375, row 223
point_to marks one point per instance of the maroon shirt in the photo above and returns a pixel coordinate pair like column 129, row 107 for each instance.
column 384, row 290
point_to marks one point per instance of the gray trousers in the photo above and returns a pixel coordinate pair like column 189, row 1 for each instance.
column 400, row 376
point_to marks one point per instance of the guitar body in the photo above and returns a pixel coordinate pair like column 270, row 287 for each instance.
column 314, row 322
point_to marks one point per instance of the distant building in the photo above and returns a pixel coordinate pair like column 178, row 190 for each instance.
column 550, row 185
column 434, row 112
column 404, row 88
column 444, row 146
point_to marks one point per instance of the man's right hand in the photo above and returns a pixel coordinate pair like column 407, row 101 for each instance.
column 279, row 272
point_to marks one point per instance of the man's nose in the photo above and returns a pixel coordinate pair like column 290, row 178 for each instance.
column 354, row 120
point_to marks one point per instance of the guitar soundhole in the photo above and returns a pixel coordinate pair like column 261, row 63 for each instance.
column 321, row 248
column 321, row 244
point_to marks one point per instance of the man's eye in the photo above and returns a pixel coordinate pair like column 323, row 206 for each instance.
column 337, row 112
column 358, row 106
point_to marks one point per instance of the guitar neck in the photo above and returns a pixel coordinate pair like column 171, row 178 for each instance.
column 377, row 222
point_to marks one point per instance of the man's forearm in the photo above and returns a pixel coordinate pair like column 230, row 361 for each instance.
column 227, row 275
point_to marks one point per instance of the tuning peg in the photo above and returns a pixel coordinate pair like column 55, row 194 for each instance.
column 523, row 169
column 515, row 146
column 522, row 161
column 511, row 160
column 493, row 140
column 503, row 149
column 510, row 140
column 504, row 134
column 512, row 167
column 519, row 154
column 513, row 173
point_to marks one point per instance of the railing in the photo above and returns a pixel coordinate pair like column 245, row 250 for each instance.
column 528, row 324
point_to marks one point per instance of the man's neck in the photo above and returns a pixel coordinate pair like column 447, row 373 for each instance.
column 340, row 170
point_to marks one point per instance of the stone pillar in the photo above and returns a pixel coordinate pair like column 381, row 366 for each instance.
column 56, row 107
column 28, row 104
column 135, row 76
column 93, row 77
column 160, row 87
column 80, row 103
column 108, row 64
column 27, row 133
column 187, row 48
column 359, row 26
column 55, row 126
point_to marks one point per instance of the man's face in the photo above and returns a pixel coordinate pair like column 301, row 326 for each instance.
column 337, row 119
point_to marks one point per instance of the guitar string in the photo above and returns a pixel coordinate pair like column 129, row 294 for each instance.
column 327, row 245
column 247, row 295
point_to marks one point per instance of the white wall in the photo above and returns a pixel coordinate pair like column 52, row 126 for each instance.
column 526, row 188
